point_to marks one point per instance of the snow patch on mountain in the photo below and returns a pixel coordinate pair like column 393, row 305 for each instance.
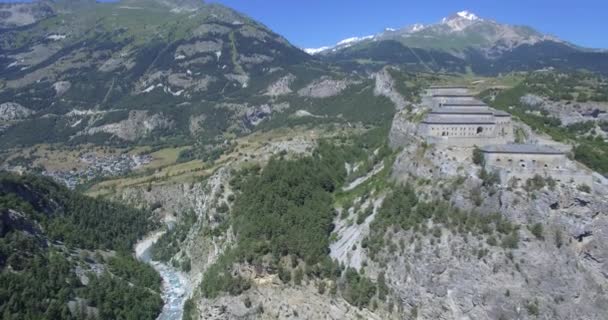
column 313, row 51
column 341, row 44
column 353, row 40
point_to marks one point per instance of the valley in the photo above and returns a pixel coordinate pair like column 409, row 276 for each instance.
column 177, row 159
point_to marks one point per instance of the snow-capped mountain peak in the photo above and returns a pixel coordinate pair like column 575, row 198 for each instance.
column 486, row 34
column 417, row 27
column 468, row 15
column 460, row 20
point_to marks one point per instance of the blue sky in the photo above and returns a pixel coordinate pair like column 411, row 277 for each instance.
column 314, row 23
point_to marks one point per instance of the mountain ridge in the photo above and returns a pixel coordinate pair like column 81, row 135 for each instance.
column 452, row 24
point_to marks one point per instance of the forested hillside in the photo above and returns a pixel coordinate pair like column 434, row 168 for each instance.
column 67, row 256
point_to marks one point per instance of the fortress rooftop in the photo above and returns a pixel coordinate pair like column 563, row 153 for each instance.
column 500, row 113
column 431, row 119
column 473, row 103
column 463, row 111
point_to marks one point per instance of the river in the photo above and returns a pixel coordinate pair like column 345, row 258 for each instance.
column 175, row 289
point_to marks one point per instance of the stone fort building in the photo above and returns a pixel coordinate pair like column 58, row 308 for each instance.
column 524, row 161
column 458, row 119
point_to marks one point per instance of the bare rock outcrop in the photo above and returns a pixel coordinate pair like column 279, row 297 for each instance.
column 281, row 86
column 22, row 14
column 567, row 111
column 13, row 111
column 403, row 130
column 560, row 273
column 324, row 88
column 139, row 125
column 61, row 87
column 188, row 50
column 385, row 86
column 272, row 300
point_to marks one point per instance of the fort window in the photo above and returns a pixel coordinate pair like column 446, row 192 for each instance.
column 479, row 130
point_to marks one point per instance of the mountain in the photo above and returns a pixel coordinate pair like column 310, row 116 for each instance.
column 473, row 43
column 132, row 70
column 178, row 72
column 455, row 34
column 291, row 186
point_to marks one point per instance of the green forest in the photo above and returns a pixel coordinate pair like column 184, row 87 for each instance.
column 286, row 211
column 44, row 231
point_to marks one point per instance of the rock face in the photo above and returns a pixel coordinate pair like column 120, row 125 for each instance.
column 324, row 88
column 13, row 111
column 61, row 87
column 281, row 86
column 559, row 274
column 139, row 125
column 22, row 14
column 348, row 249
column 256, row 115
column 402, row 131
column 568, row 112
column 272, row 300
column 532, row 100
column 446, row 278
column 385, row 86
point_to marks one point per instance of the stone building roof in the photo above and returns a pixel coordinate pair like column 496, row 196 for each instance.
column 466, row 111
column 471, row 104
column 433, row 119
column 522, row 149
column 500, row 113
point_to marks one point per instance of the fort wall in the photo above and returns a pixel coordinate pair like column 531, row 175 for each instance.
column 560, row 176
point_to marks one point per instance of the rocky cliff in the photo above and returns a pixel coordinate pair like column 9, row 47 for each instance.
column 556, row 271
